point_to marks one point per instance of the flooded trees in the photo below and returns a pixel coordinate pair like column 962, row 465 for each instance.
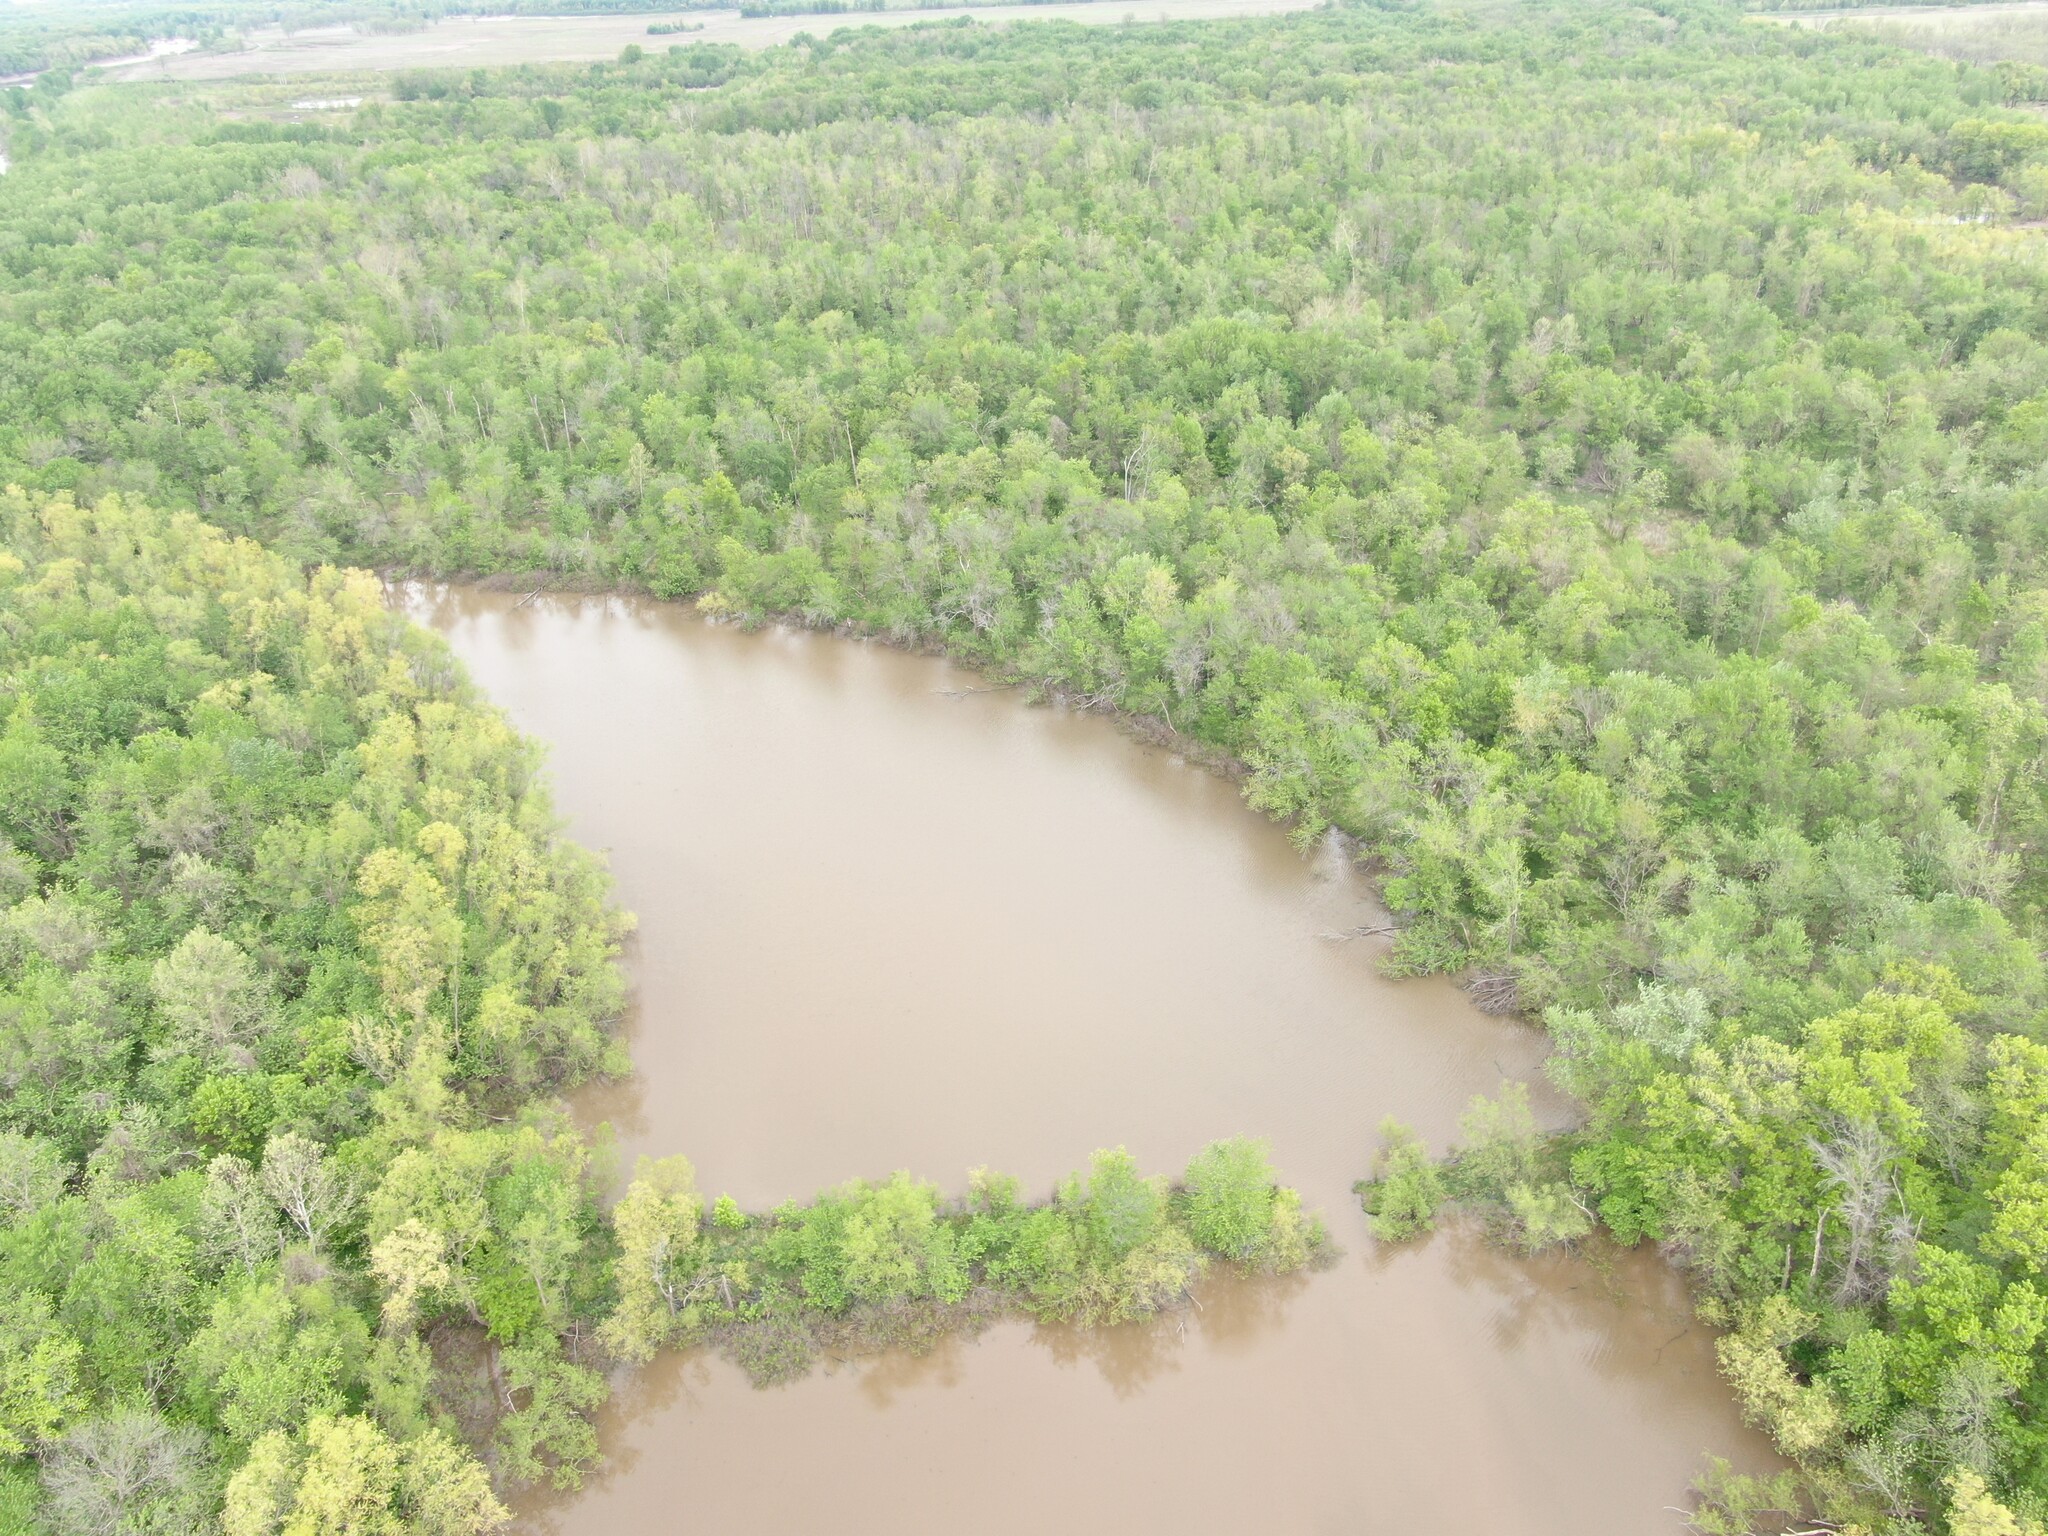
column 1663, row 608
column 657, row 1225
column 871, row 1263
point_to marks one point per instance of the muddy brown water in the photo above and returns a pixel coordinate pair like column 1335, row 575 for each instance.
column 892, row 919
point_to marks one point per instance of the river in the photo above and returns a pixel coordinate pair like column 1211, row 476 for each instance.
column 892, row 918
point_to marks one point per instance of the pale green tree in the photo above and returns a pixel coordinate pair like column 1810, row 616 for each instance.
column 412, row 1263
column 237, row 1217
column 212, row 1001
column 131, row 1473
column 344, row 1476
column 410, row 928
column 312, row 1192
column 657, row 1223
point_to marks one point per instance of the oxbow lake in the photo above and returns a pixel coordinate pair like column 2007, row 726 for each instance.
column 892, row 918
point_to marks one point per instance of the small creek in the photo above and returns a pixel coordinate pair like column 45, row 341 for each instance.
column 888, row 921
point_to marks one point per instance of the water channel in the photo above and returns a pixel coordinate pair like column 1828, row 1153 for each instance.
column 892, row 918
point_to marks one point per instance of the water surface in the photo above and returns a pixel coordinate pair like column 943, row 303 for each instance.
column 890, row 917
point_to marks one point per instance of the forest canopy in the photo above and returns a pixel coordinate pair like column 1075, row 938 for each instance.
column 281, row 900
column 297, row 1238
column 1590, row 457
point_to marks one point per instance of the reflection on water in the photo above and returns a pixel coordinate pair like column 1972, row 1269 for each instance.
column 890, row 922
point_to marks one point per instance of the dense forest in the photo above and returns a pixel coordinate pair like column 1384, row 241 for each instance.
column 282, row 905
column 1589, row 457
column 297, row 1237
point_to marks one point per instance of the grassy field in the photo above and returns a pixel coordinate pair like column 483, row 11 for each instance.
column 1934, row 15
column 2015, row 30
column 473, row 42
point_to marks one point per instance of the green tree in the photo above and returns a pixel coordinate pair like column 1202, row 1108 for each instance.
column 657, row 1225
column 1406, row 1189
column 345, row 1474
column 40, row 1386
column 1230, row 1194
column 211, row 1000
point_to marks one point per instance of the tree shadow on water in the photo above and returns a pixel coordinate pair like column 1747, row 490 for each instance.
column 1237, row 1312
column 885, row 1376
column 1227, row 1313
column 1129, row 1355
column 1624, row 1307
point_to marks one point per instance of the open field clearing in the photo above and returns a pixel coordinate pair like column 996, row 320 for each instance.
column 1974, row 34
column 1931, row 16
column 478, row 42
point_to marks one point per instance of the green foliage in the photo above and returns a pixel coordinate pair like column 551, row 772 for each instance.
column 1735, row 1503
column 657, row 1225
column 1862, row 1203
column 895, row 1263
column 1119, row 1208
column 280, row 1115
column 271, row 1356
column 39, row 1385
column 549, row 1436
column 239, row 799
column 1406, row 1189
column 344, row 1473
column 1509, row 1172
column 1231, row 1199
column 1662, row 605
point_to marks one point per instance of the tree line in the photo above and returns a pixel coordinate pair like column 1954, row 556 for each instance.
column 293, row 964
column 282, row 898
column 1589, row 457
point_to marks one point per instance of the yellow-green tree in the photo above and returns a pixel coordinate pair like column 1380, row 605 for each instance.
column 657, row 1223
